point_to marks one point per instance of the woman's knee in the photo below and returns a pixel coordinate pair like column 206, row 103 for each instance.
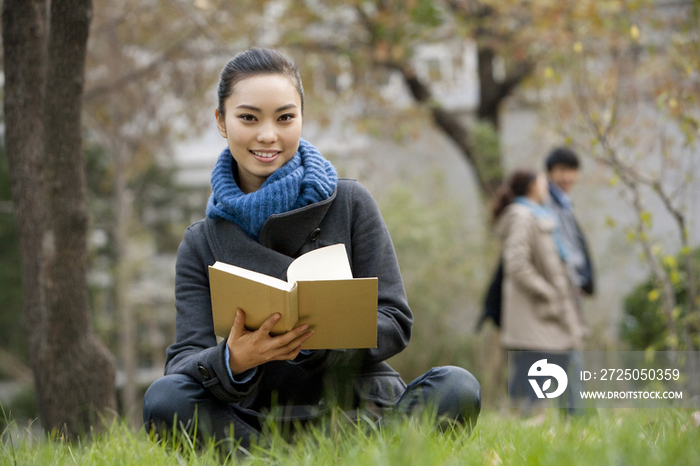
column 460, row 393
column 168, row 397
column 470, row 388
column 452, row 391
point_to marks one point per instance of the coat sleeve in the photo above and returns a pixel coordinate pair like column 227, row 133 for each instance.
column 195, row 351
column 517, row 259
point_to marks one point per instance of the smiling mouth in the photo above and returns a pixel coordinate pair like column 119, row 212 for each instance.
column 265, row 154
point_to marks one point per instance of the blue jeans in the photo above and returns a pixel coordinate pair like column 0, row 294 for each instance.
column 452, row 392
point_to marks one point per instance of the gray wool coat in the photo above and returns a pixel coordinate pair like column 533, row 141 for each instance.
column 350, row 377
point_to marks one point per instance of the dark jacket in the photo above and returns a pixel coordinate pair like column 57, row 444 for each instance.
column 575, row 239
column 350, row 216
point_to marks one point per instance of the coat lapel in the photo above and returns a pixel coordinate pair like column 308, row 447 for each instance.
column 288, row 232
column 230, row 244
column 281, row 238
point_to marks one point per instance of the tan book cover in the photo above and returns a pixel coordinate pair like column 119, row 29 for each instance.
column 319, row 291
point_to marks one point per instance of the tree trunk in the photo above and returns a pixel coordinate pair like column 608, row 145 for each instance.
column 487, row 169
column 489, row 97
column 486, row 164
column 124, row 309
column 24, row 38
column 74, row 373
column 82, row 375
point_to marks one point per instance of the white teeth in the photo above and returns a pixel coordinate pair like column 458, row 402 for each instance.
column 265, row 155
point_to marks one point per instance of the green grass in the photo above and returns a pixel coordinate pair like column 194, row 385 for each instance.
column 624, row 437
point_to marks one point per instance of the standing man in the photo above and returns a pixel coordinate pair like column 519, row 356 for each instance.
column 562, row 171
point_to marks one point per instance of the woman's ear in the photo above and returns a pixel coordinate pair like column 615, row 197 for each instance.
column 220, row 123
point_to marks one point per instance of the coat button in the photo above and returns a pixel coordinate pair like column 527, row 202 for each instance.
column 315, row 234
column 203, row 372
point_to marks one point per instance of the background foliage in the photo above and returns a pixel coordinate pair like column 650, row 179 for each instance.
column 644, row 324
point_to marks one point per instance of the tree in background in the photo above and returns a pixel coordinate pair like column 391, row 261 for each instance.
column 146, row 77
column 510, row 37
column 149, row 73
column 44, row 62
column 635, row 64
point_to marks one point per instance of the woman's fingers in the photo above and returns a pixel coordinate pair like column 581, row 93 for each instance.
column 238, row 324
column 284, row 340
column 266, row 327
column 289, row 354
column 283, row 348
column 250, row 349
column 292, row 354
column 296, row 343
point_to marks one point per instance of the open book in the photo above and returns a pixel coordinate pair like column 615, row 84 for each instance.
column 320, row 291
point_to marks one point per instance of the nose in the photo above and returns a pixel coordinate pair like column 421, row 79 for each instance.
column 267, row 133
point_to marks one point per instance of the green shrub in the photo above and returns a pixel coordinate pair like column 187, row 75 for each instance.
column 644, row 322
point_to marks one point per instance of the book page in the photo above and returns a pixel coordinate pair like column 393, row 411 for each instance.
column 327, row 263
column 254, row 276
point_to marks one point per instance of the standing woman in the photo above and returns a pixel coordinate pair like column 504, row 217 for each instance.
column 274, row 198
column 538, row 311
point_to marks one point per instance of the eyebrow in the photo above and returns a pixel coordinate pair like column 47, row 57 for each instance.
column 256, row 109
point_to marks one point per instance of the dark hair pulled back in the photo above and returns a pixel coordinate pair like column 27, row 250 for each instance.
column 253, row 62
column 518, row 184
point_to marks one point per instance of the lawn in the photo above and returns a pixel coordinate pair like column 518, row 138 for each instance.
column 606, row 437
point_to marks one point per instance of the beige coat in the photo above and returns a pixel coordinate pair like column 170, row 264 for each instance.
column 538, row 310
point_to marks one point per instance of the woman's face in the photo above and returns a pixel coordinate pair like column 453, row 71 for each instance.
column 539, row 189
column 262, row 125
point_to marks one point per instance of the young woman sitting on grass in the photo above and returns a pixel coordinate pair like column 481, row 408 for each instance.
column 274, row 198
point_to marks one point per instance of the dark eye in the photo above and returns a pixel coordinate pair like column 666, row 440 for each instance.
column 247, row 117
column 287, row 117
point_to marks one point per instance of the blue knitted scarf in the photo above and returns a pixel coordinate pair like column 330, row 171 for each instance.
column 305, row 179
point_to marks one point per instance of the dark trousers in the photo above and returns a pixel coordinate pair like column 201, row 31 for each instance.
column 451, row 391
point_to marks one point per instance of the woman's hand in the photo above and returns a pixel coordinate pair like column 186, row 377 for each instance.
column 250, row 349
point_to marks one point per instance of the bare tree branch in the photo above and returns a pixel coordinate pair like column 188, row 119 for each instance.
column 632, row 180
column 140, row 72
